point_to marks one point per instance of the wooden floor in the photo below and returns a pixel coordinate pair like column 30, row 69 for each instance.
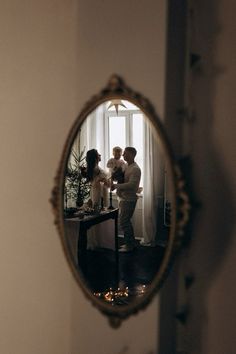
column 135, row 269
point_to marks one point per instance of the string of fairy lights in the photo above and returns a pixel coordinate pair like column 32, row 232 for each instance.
column 121, row 295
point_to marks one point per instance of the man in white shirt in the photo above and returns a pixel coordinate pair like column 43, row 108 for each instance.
column 127, row 196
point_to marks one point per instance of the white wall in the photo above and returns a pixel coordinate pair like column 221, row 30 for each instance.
column 55, row 54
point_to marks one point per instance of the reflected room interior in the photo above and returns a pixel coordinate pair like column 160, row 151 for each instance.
column 117, row 277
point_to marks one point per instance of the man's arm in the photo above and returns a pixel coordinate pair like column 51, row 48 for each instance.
column 133, row 182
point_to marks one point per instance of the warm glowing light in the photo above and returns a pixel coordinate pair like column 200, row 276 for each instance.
column 118, row 295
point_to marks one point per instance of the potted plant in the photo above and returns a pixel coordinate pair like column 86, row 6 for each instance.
column 76, row 189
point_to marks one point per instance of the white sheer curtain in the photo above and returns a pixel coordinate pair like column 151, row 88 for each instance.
column 152, row 182
column 92, row 134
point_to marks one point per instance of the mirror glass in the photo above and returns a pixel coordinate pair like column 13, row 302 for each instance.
column 117, row 204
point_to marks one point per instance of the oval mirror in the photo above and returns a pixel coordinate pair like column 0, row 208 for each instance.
column 116, row 201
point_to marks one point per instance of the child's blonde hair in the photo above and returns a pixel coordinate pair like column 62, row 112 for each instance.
column 117, row 148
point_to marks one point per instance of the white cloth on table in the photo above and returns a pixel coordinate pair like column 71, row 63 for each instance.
column 100, row 235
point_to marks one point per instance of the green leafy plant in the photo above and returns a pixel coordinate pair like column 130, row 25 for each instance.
column 76, row 188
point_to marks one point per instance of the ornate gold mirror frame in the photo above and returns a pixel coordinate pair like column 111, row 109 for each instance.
column 117, row 89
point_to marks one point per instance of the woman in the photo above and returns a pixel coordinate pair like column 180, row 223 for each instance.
column 101, row 235
column 97, row 178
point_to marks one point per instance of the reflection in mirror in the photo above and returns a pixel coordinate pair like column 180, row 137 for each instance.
column 106, row 186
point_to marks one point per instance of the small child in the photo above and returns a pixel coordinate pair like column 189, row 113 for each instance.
column 115, row 164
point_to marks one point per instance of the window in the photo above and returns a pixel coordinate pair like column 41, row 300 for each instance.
column 125, row 128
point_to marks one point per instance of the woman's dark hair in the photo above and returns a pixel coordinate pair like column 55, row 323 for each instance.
column 92, row 160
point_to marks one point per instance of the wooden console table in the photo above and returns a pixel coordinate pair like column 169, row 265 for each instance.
column 86, row 223
column 94, row 219
column 76, row 231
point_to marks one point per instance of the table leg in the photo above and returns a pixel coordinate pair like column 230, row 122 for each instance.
column 82, row 247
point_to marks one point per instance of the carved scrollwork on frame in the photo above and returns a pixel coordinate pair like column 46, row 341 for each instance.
column 184, row 206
